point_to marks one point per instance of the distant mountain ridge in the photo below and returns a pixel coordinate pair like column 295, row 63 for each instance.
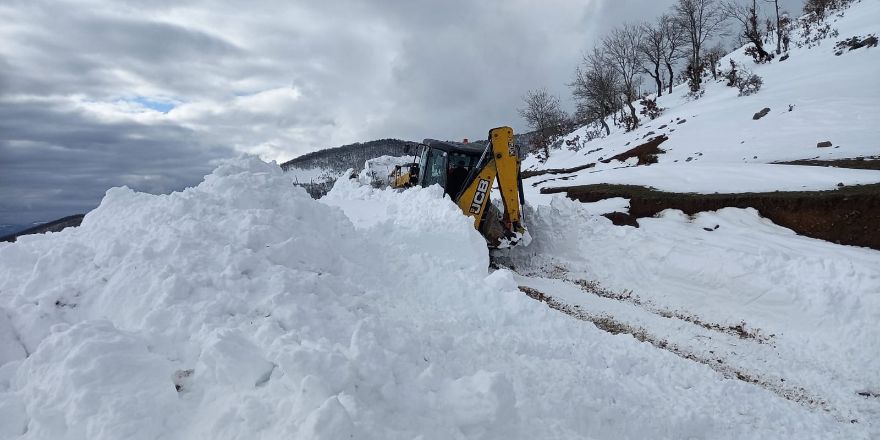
column 337, row 160
column 53, row 226
column 12, row 228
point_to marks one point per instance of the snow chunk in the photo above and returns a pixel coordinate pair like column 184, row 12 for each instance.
column 93, row 381
column 482, row 403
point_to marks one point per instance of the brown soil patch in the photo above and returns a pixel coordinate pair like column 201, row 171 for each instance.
column 621, row 219
column 529, row 173
column 862, row 163
column 541, row 182
column 646, row 153
column 847, row 215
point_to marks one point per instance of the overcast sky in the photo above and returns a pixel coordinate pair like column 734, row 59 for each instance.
column 152, row 93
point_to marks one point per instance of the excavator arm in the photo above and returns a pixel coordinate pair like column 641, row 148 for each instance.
column 500, row 161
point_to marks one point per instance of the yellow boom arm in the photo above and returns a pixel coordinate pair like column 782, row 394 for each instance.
column 500, row 161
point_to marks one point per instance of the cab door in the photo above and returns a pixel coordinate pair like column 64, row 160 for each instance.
column 433, row 168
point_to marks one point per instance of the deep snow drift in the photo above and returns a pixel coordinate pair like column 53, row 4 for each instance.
column 242, row 308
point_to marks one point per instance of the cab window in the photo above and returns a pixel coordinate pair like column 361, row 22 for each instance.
column 466, row 161
column 434, row 168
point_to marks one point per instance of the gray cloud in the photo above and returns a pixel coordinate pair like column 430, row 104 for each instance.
column 57, row 161
column 275, row 78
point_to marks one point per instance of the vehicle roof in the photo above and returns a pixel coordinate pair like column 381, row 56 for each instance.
column 449, row 146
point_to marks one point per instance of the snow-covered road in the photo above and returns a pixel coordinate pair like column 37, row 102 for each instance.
column 727, row 289
column 774, row 362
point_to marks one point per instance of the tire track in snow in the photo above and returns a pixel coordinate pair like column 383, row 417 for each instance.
column 719, row 358
column 741, row 330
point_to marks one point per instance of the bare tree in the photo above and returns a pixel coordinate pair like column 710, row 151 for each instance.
column 544, row 116
column 712, row 56
column 818, row 7
column 701, row 21
column 675, row 41
column 653, row 46
column 621, row 50
column 596, row 88
column 785, row 29
column 747, row 16
column 778, row 26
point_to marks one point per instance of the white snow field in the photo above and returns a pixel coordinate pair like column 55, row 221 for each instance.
column 242, row 308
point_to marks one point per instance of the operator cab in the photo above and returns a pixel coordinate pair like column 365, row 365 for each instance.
column 449, row 164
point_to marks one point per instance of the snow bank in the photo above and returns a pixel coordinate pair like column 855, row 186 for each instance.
column 242, row 308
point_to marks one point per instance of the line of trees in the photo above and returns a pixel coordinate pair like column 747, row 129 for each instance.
column 339, row 159
column 608, row 79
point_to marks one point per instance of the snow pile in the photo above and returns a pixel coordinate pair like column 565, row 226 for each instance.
column 242, row 308
column 378, row 169
column 244, row 281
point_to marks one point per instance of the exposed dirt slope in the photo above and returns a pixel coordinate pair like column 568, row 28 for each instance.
column 847, row 215
column 863, row 163
column 646, row 154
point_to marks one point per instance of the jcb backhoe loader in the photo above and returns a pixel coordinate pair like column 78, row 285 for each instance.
column 467, row 173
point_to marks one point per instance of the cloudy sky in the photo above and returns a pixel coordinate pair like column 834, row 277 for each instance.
column 152, row 93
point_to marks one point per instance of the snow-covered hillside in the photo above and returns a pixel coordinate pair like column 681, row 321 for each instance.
column 813, row 96
column 311, row 175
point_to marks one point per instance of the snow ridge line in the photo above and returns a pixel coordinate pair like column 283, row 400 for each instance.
column 611, row 325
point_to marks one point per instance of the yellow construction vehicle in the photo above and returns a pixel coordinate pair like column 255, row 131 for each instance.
column 401, row 175
column 467, row 173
